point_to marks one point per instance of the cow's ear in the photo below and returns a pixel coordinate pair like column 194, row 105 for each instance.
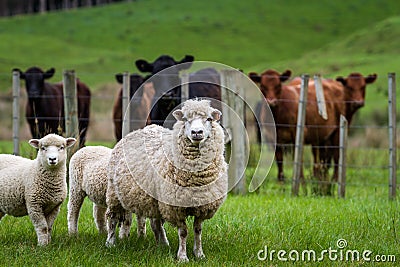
column 255, row 77
column 119, row 78
column 49, row 73
column 144, row 66
column 21, row 74
column 371, row 78
column 341, row 80
column 285, row 75
column 188, row 59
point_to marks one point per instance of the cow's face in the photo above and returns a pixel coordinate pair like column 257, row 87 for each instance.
column 355, row 85
column 169, row 79
column 270, row 82
column 35, row 80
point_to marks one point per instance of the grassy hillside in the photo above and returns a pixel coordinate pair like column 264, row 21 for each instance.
column 332, row 38
column 101, row 41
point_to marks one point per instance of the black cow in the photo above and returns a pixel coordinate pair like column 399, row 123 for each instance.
column 45, row 106
column 167, row 89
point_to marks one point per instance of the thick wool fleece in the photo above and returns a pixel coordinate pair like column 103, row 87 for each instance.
column 88, row 177
column 32, row 187
column 158, row 172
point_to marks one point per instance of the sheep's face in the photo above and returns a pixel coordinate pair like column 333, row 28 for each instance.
column 52, row 149
column 197, row 125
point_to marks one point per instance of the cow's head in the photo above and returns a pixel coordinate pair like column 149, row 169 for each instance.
column 35, row 80
column 354, row 86
column 270, row 82
column 166, row 84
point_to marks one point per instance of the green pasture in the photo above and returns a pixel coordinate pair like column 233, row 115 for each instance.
column 328, row 37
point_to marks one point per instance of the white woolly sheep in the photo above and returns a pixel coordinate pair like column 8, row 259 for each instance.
column 37, row 187
column 171, row 174
column 88, row 177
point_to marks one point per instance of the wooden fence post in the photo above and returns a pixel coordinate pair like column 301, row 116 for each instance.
column 16, row 95
column 126, row 116
column 392, row 136
column 232, row 93
column 71, row 109
column 342, row 157
column 298, row 150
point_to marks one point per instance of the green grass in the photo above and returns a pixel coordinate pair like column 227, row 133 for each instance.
column 329, row 37
column 243, row 226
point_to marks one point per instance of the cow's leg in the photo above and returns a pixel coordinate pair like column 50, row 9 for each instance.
column 279, row 162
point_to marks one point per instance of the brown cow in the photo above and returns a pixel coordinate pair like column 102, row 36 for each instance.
column 283, row 101
column 142, row 102
column 353, row 98
column 45, row 106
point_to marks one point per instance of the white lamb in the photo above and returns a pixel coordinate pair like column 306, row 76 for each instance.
column 171, row 174
column 88, row 177
column 36, row 187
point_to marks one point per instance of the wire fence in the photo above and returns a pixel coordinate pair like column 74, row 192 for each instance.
column 101, row 128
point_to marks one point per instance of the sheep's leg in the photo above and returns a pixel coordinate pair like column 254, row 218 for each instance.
column 182, row 232
column 112, row 222
column 197, row 247
column 40, row 224
column 141, row 226
column 74, row 206
column 50, row 218
column 159, row 231
column 99, row 215
column 163, row 236
column 126, row 223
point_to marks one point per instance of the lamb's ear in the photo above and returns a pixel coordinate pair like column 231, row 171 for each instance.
column 34, row 143
column 178, row 114
column 70, row 141
column 216, row 114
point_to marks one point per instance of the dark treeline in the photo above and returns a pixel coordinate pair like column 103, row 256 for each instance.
column 14, row 7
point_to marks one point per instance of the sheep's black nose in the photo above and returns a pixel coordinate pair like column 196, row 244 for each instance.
column 53, row 160
column 199, row 132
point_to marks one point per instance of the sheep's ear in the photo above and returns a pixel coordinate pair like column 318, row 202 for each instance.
column 70, row 141
column 178, row 114
column 216, row 114
column 34, row 143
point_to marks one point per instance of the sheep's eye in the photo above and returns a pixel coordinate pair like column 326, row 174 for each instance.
column 184, row 119
column 61, row 148
column 43, row 148
column 209, row 119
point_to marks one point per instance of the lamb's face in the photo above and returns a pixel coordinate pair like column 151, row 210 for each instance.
column 52, row 149
column 197, row 124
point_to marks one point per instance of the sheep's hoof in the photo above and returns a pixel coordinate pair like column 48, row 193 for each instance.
column 199, row 254
column 183, row 258
column 110, row 244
